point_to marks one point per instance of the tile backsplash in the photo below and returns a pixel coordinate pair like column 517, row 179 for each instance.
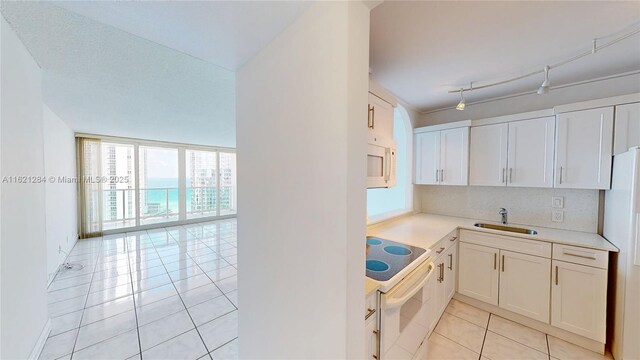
column 530, row 206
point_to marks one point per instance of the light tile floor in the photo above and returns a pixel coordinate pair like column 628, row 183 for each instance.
column 466, row 332
column 167, row 293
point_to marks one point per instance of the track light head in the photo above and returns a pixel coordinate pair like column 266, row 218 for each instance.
column 461, row 104
column 544, row 88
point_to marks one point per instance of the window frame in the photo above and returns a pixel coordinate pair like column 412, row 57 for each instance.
column 181, row 147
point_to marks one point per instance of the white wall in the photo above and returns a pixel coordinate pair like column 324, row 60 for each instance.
column 23, row 249
column 301, row 179
column 525, row 205
column 61, row 198
column 531, row 102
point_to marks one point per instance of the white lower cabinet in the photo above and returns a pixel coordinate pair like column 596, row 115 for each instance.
column 371, row 332
column 524, row 284
column 440, row 288
column 371, row 339
column 570, row 293
column 478, row 272
column 579, row 299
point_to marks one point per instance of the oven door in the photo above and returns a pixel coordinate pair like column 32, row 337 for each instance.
column 404, row 320
column 381, row 166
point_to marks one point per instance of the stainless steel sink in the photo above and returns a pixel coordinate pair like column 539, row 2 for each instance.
column 506, row 228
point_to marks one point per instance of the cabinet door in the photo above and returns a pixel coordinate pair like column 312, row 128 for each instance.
column 525, row 284
column 627, row 128
column 478, row 272
column 488, row 158
column 454, row 156
column 579, row 299
column 371, row 339
column 380, row 121
column 451, row 268
column 530, row 155
column 583, row 149
column 427, row 158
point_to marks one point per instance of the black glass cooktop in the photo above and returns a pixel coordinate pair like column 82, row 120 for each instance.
column 386, row 258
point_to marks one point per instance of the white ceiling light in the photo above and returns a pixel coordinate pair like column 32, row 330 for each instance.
column 544, row 88
column 461, row 104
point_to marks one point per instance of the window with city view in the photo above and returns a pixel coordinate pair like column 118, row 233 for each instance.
column 146, row 184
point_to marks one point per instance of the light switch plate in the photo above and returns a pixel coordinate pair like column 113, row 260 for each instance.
column 557, row 202
column 557, row 216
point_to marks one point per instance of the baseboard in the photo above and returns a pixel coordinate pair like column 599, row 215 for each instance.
column 42, row 339
column 535, row 324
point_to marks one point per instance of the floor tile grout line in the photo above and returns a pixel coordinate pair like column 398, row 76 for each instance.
column 223, row 345
column 518, row 342
column 484, row 339
column 133, row 295
column 75, row 342
column 183, row 304
column 461, row 318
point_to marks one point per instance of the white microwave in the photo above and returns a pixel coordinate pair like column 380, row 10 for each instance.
column 381, row 166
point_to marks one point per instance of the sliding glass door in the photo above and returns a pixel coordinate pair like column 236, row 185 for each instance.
column 141, row 183
column 158, row 184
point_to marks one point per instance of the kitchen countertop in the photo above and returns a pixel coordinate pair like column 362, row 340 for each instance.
column 425, row 230
column 370, row 286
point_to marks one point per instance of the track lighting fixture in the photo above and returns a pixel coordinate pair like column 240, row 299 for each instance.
column 461, row 104
column 595, row 47
column 544, row 88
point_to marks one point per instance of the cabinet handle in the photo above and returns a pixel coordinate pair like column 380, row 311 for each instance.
column 437, row 175
column 450, row 261
column 502, row 263
column 592, row 257
column 504, row 170
column 453, row 238
column 369, row 119
column 442, row 271
column 439, row 251
column 495, row 261
column 561, row 171
column 377, row 354
column 511, row 175
column 373, row 117
column 370, row 312
column 556, row 275
column 441, row 175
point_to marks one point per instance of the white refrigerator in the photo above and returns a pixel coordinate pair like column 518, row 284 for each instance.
column 622, row 228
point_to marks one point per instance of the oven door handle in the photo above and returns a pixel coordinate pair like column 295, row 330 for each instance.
column 390, row 302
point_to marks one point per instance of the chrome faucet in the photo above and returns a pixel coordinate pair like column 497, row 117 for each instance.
column 503, row 212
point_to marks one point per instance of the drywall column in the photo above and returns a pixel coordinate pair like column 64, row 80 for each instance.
column 301, row 145
column 61, row 193
column 23, row 250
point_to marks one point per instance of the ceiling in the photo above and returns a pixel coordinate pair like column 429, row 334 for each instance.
column 421, row 50
column 224, row 33
column 151, row 70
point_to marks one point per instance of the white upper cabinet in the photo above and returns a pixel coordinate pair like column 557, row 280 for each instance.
column 488, row 159
column 454, row 156
column 530, row 154
column 584, row 148
column 627, row 128
column 427, row 158
column 380, row 121
column 442, row 157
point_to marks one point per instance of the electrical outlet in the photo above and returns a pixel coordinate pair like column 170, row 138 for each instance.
column 557, row 202
column 557, row 216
